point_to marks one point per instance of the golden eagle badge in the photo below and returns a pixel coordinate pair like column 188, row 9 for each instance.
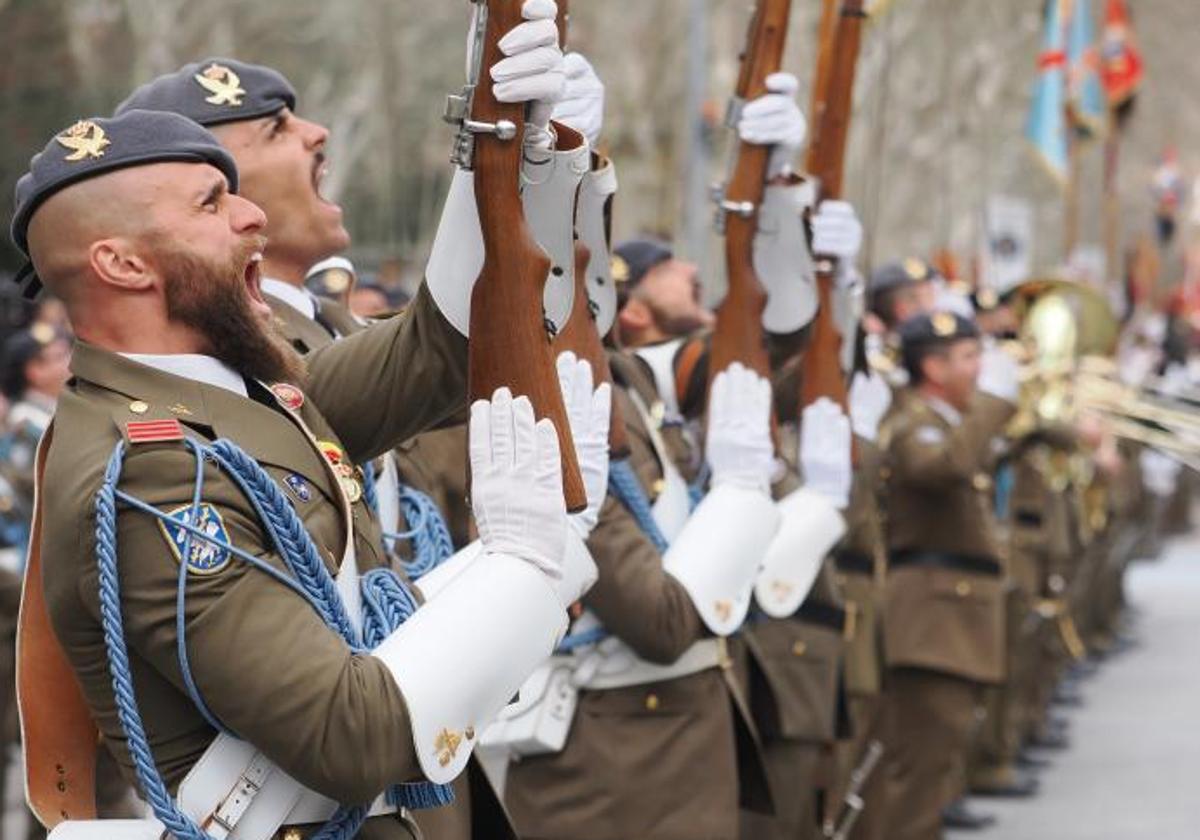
column 85, row 139
column 224, row 85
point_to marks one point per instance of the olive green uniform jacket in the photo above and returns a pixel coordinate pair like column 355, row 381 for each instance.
column 943, row 612
column 666, row 760
column 434, row 462
column 265, row 663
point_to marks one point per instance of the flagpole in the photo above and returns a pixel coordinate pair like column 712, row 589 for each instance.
column 1074, row 173
column 1112, row 201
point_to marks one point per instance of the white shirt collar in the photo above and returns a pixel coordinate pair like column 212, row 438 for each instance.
column 948, row 412
column 294, row 296
column 193, row 366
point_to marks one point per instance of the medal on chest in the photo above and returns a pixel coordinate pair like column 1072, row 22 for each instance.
column 348, row 475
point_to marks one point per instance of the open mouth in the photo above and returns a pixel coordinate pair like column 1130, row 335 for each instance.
column 252, row 277
column 320, row 169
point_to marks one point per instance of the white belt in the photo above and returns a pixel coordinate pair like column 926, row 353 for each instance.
column 704, row 654
column 235, row 792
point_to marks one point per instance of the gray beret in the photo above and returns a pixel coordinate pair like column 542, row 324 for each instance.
column 215, row 91
column 96, row 146
column 633, row 259
column 936, row 328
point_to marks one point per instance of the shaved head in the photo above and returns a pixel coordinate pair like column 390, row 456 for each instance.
column 63, row 229
column 161, row 258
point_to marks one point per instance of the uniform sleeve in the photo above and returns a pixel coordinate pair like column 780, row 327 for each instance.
column 925, row 453
column 263, row 660
column 633, row 597
column 387, row 383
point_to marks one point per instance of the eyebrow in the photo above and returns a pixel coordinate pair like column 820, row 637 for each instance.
column 217, row 189
column 279, row 118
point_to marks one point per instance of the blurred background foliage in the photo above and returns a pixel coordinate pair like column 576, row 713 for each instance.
column 943, row 90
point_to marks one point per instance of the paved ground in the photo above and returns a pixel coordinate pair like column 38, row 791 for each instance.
column 1133, row 770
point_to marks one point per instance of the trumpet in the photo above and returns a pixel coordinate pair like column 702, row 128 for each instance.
column 1067, row 335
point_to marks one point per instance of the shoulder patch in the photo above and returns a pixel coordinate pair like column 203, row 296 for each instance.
column 929, row 435
column 205, row 557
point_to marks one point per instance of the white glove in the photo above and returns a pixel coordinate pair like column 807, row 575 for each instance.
column 825, row 451
column 532, row 69
column 775, row 119
column 516, row 482
column 588, row 411
column 582, row 103
column 836, row 230
column 738, row 446
column 999, row 373
column 870, row 398
column 1160, row 472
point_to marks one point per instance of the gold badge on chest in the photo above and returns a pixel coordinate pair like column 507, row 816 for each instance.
column 348, row 475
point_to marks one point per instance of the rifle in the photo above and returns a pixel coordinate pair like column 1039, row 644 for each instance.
column 580, row 334
column 821, row 366
column 853, row 804
column 509, row 345
column 738, row 335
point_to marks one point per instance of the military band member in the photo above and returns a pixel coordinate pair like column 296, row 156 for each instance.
column 944, row 617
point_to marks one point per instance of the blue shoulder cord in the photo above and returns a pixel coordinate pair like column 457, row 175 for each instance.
column 427, row 530
column 387, row 604
column 622, row 483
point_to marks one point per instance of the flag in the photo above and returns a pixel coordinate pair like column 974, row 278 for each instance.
column 1085, row 94
column 1046, row 128
column 1006, row 252
column 1121, row 68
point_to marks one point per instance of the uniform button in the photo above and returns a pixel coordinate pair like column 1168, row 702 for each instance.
column 293, row 834
column 799, row 648
column 982, row 482
column 652, row 702
column 658, row 486
column 139, row 407
column 962, row 589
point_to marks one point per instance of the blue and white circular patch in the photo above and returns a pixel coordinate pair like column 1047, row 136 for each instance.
column 207, row 555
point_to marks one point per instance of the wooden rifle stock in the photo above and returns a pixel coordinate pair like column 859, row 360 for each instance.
column 738, row 335
column 509, row 345
column 822, row 369
column 826, row 32
column 579, row 334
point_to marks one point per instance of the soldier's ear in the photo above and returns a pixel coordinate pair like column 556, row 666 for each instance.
column 635, row 315
column 118, row 262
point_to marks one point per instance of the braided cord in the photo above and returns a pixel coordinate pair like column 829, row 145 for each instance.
column 623, row 483
column 428, row 532
column 389, row 605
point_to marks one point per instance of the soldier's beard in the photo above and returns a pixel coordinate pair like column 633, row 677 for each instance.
column 678, row 324
column 212, row 300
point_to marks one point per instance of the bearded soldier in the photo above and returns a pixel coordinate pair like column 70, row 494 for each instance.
column 228, row 574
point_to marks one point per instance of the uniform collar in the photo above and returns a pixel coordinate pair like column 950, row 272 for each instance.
column 944, row 410
column 263, row 432
column 294, row 296
column 196, row 367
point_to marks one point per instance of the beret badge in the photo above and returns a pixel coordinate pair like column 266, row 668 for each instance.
column 222, row 83
column 85, row 139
